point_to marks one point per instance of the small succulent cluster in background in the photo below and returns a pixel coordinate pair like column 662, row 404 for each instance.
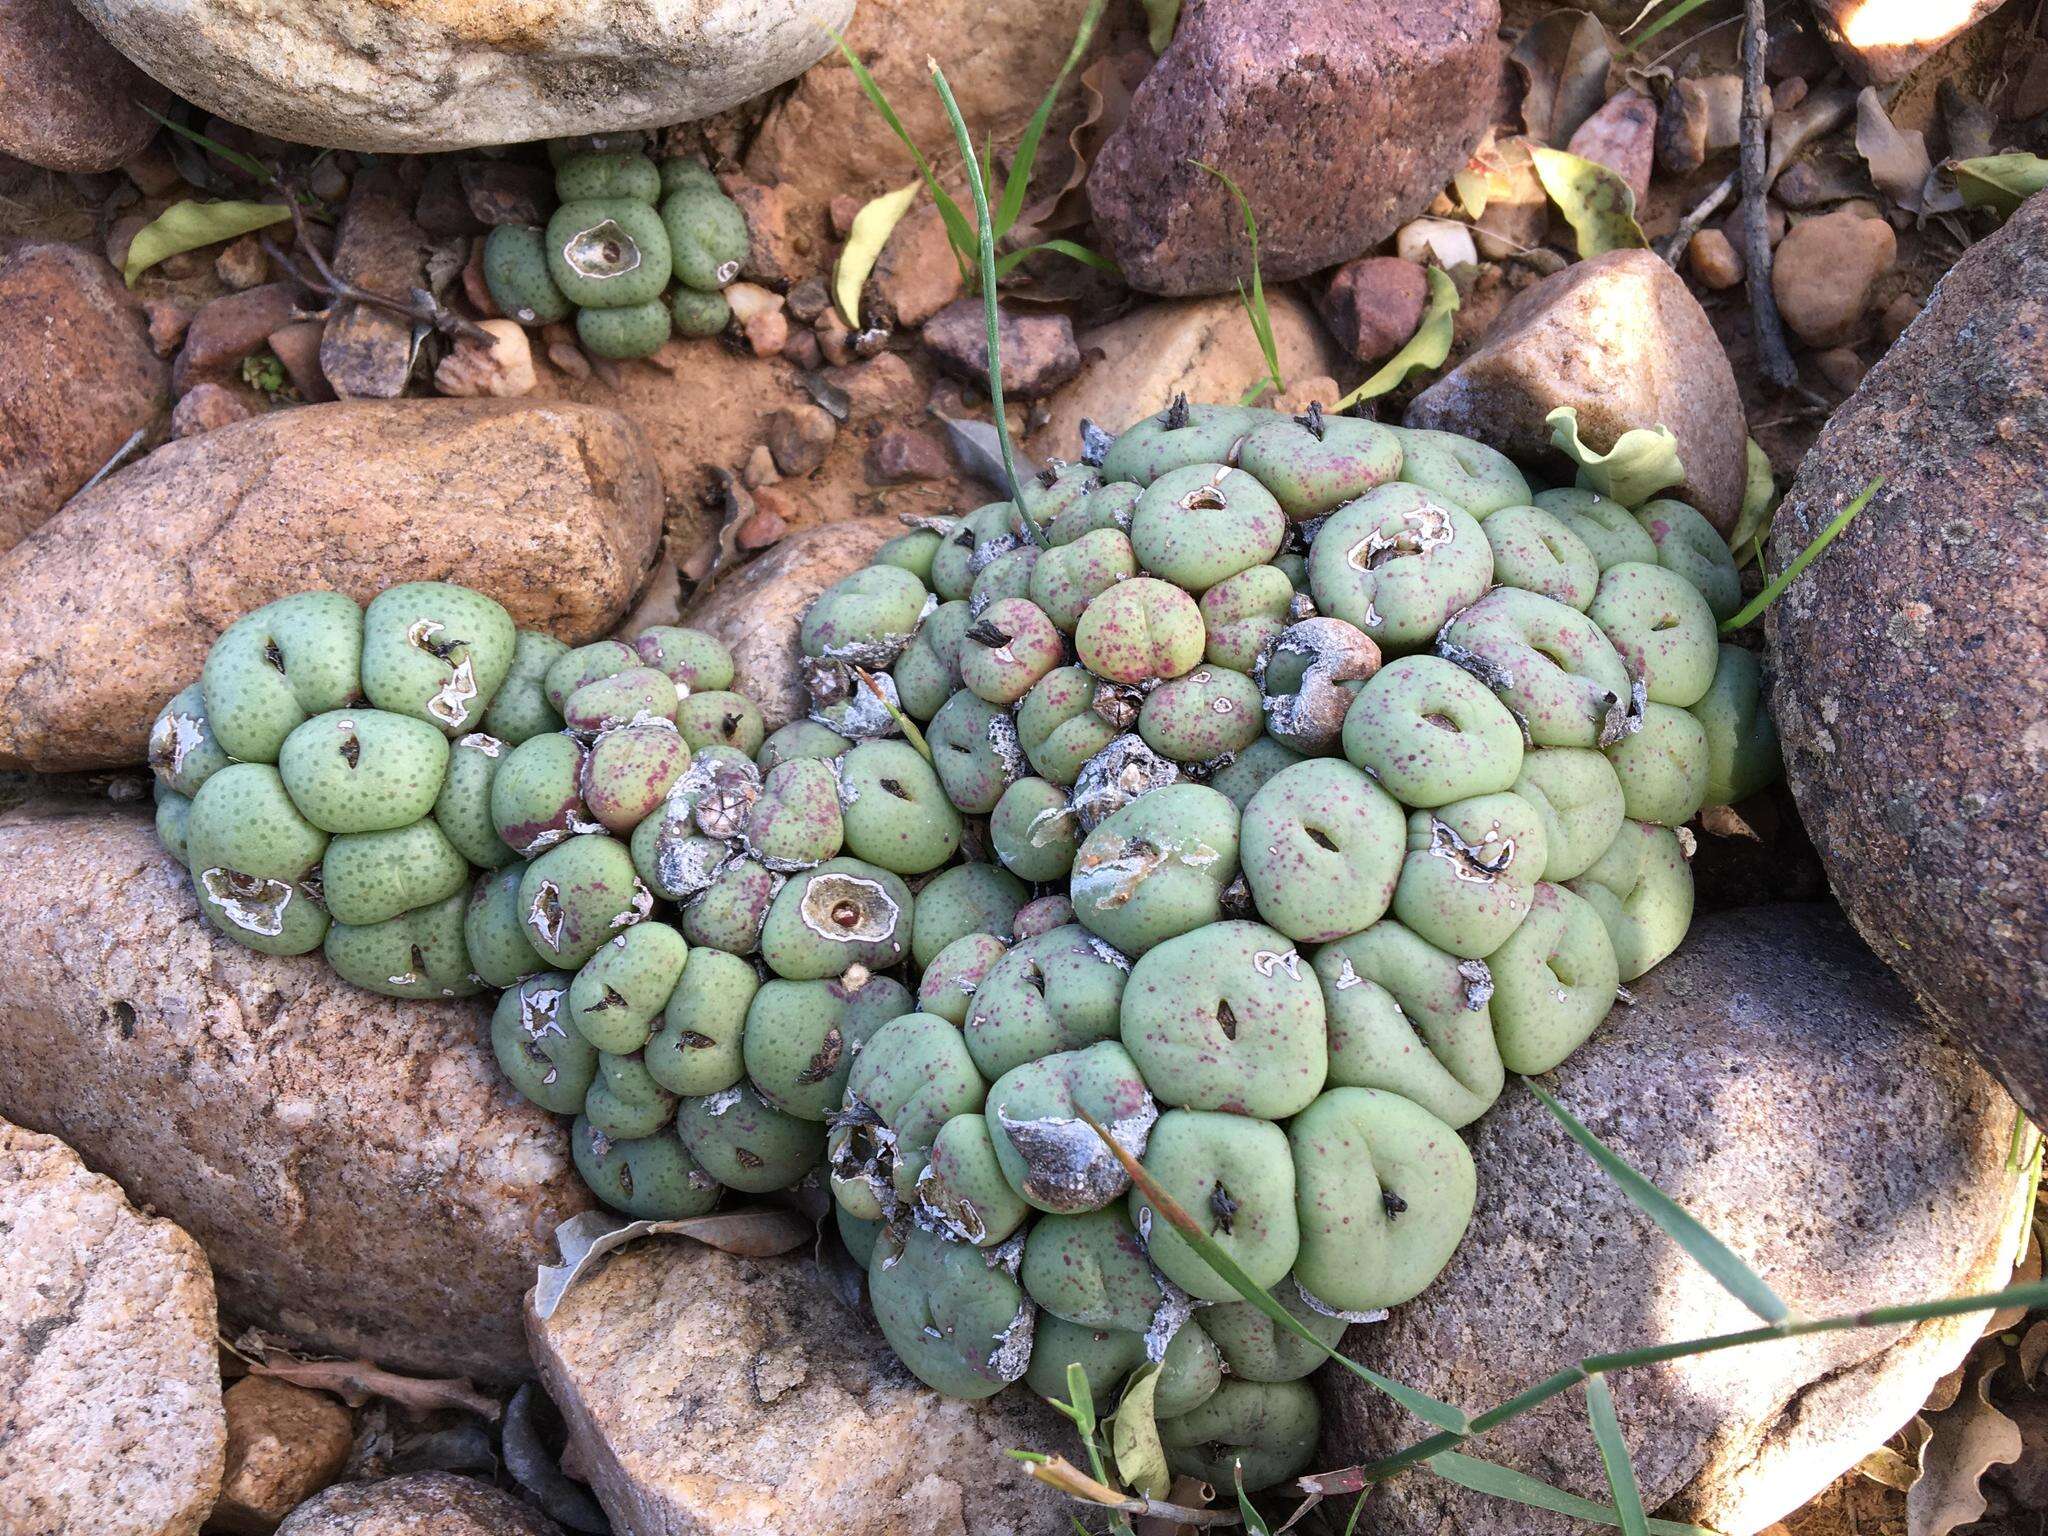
column 625, row 227
column 1261, row 790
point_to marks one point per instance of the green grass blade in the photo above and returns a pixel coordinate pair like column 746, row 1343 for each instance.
column 1621, row 1473
column 1254, row 1522
column 1518, row 1487
column 985, row 249
column 1754, row 608
column 1707, row 1250
column 213, row 146
column 1254, row 301
column 1429, row 1409
column 957, row 229
column 1069, row 248
column 1019, row 184
column 1672, row 17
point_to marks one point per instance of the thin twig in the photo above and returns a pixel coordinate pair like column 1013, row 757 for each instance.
column 1703, row 210
column 120, row 456
column 422, row 311
column 1772, row 351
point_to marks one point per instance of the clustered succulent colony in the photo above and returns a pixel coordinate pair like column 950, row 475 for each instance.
column 1266, row 787
column 624, row 227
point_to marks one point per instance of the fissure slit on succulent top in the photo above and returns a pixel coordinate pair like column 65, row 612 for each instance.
column 274, row 656
column 1224, row 1207
column 545, row 913
column 1205, row 498
column 251, row 904
column 1312, row 419
column 825, row 1060
column 1393, row 1204
column 639, row 911
column 1321, row 839
column 1478, row 979
column 601, row 252
column 1226, row 1019
column 747, row 1158
column 540, row 1012
column 1468, row 860
column 982, row 632
column 1347, row 975
column 1421, row 529
column 171, row 739
column 1176, row 413
column 351, row 747
column 692, row 1041
column 849, row 909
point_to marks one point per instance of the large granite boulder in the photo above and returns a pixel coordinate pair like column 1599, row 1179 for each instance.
column 1621, row 339
column 358, row 1170
column 1780, row 1085
column 710, row 1393
column 1911, row 660
column 554, row 510
column 1340, row 120
column 419, row 77
column 110, row 1402
column 68, row 101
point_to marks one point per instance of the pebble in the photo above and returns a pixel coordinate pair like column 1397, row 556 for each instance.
column 1715, row 260
column 1824, row 271
column 799, row 437
column 1373, row 305
column 285, row 1444
column 1442, row 242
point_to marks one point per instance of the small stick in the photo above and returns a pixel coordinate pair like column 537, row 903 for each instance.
column 335, row 286
column 1772, row 351
column 1705, row 209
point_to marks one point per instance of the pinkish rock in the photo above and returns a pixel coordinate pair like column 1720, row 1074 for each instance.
column 1373, row 305
column 1038, row 349
column 78, row 378
column 230, row 329
column 1876, row 49
column 367, row 352
column 917, row 274
column 1339, row 122
column 1622, row 340
column 297, row 346
column 206, row 406
column 1622, row 136
column 68, row 101
column 901, row 455
column 1825, row 270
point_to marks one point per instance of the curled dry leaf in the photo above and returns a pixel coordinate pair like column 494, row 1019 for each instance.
column 1969, row 1438
column 2027, row 1270
column 1427, row 348
column 1106, row 86
column 1642, row 462
column 355, row 1382
column 2033, row 1351
column 1897, row 157
column 872, row 227
column 584, row 1239
column 1563, row 60
column 1134, row 1438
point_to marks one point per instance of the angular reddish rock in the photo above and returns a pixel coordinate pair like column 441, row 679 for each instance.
column 1373, row 305
column 1911, row 661
column 110, row 1403
column 1339, row 121
column 1622, row 136
column 553, row 510
column 367, row 352
column 204, row 407
column 917, row 275
column 78, row 378
column 68, row 101
column 901, row 455
column 230, row 328
column 756, row 610
column 1823, row 273
column 1038, row 349
column 1777, row 1082
column 357, row 1169
column 710, row 1393
column 424, row 1504
column 1622, row 339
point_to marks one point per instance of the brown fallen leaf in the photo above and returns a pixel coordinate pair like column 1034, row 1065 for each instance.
column 355, row 1382
column 2033, row 1350
column 1897, row 158
column 1968, row 1439
column 584, row 1239
column 1563, row 60
column 1106, row 86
